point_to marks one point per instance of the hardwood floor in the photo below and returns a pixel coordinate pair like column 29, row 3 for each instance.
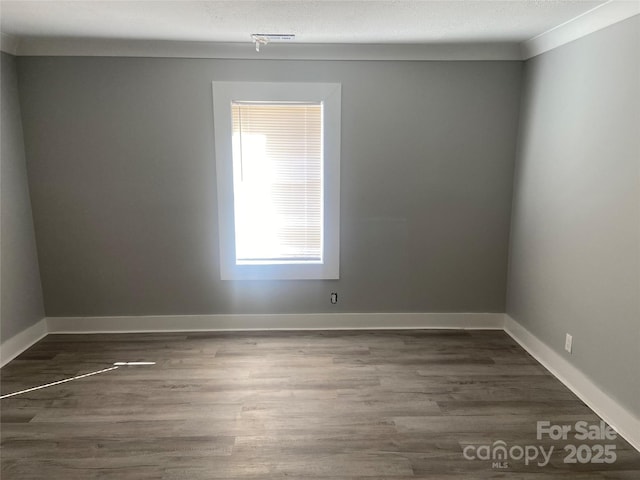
column 298, row 405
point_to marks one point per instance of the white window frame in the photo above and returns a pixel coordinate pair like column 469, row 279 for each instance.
column 329, row 94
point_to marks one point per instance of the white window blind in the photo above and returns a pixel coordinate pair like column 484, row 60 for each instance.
column 277, row 151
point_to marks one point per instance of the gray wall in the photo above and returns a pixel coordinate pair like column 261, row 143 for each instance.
column 575, row 252
column 122, row 176
column 21, row 298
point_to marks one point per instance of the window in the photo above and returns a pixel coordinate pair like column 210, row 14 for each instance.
column 277, row 182
column 278, row 178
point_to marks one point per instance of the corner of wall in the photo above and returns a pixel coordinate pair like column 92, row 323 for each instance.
column 17, row 344
column 618, row 417
column 9, row 44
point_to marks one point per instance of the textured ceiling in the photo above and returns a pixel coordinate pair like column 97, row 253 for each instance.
column 312, row 21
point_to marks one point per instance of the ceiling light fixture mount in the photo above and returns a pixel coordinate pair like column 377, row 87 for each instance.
column 264, row 38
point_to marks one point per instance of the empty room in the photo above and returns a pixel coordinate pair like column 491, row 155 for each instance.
column 320, row 240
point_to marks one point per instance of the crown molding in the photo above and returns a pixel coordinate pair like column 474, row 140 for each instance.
column 600, row 17
column 8, row 43
column 275, row 51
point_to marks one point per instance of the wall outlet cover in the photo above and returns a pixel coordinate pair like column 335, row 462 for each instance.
column 568, row 343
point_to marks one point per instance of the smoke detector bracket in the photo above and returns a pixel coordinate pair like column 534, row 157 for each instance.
column 264, row 38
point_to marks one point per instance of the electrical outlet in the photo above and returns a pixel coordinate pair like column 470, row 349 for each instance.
column 568, row 343
column 334, row 297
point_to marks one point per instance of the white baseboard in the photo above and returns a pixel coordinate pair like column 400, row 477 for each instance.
column 618, row 417
column 623, row 421
column 17, row 344
column 318, row 321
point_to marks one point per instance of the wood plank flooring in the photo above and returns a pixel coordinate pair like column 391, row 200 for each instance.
column 393, row 405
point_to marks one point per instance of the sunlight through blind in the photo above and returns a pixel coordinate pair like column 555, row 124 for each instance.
column 277, row 181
